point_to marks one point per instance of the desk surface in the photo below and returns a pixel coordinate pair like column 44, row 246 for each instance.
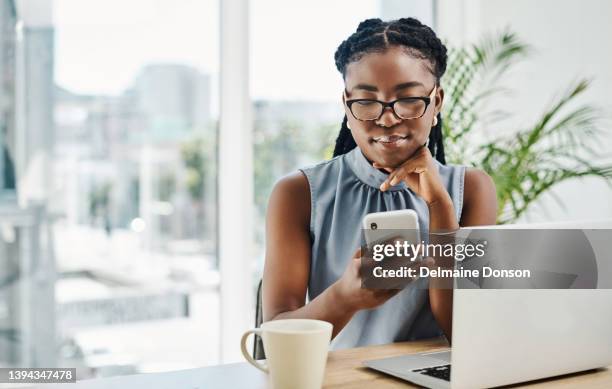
column 344, row 370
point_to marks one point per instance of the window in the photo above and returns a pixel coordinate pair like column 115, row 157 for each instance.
column 134, row 184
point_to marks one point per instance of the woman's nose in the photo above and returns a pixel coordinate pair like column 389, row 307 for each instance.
column 388, row 118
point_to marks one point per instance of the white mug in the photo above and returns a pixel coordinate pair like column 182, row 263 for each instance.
column 296, row 352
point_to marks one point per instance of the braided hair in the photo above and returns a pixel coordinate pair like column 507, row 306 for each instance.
column 375, row 36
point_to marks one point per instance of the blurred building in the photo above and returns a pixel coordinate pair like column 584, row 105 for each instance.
column 174, row 99
column 107, row 144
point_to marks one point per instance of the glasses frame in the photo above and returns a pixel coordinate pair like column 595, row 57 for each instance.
column 391, row 104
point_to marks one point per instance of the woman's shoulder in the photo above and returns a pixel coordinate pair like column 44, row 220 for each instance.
column 480, row 198
column 478, row 178
column 322, row 165
column 290, row 198
column 292, row 185
column 478, row 183
column 296, row 187
column 323, row 176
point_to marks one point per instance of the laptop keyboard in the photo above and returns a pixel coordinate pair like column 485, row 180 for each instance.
column 442, row 372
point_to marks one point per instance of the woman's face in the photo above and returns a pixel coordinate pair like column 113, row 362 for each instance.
column 388, row 76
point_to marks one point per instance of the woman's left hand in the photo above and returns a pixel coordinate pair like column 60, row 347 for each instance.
column 420, row 175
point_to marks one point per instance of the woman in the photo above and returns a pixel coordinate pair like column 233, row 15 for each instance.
column 383, row 161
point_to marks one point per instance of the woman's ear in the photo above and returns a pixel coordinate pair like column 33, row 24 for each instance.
column 439, row 100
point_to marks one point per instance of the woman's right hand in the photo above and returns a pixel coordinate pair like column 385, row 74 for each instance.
column 351, row 295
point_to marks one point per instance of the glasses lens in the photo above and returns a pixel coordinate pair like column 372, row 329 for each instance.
column 410, row 108
column 366, row 109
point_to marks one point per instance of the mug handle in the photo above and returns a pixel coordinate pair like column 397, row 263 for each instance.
column 245, row 353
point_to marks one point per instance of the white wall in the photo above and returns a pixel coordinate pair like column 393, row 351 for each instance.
column 570, row 41
column 420, row 9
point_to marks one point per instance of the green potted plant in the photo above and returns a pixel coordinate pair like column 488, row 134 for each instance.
column 528, row 162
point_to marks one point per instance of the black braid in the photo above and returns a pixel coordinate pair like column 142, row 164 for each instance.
column 344, row 141
column 374, row 35
column 436, row 146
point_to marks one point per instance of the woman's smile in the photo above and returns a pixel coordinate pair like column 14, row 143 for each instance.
column 391, row 149
column 393, row 140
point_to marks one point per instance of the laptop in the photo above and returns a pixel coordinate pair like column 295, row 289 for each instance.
column 508, row 336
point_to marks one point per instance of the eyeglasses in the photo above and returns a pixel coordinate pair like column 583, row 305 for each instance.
column 404, row 108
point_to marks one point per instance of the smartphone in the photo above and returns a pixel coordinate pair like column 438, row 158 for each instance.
column 388, row 228
column 382, row 226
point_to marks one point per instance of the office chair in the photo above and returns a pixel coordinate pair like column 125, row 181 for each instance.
column 258, row 350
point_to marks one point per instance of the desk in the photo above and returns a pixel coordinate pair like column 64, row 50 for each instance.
column 344, row 370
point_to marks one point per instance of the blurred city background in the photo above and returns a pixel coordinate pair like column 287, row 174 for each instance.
column 109, row 139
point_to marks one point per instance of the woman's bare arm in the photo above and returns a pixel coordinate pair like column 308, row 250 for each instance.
column 287, row 267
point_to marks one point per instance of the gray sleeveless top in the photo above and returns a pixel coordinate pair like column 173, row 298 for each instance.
column 342, row 191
